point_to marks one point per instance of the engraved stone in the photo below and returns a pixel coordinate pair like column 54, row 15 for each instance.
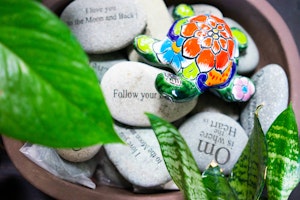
column 129, row 90
column 102, row 62
column 78, row 154
column 107, row 174
column 214, row 136
column 100, row 25
column 249, row 60
column 272, row 91
column 139, row 160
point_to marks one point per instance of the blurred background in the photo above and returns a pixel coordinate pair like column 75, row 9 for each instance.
column 10, row 178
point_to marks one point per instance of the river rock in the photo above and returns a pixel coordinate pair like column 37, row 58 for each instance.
column 214, row 137
column 272, row 91
column 129, row 90
column 158, row 22
column 78, row 154
column 104, row 26
column 102, row 62
column 139, row 160
column 107, row 174
column 205, row 9
column 249, row 60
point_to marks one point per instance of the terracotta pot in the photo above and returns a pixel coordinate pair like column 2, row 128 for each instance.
column 275, row 44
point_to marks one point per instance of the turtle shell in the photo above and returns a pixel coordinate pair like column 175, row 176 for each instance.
column 209, row 43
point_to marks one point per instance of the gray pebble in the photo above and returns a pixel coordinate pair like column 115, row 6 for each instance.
column 78, row 154
column 272, row 91
column 214, row 137
column 139, row 160
column 247, row 62
column 104, row 26
column 205, row 9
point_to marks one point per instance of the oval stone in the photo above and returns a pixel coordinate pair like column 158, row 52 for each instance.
column 272, row 91
column 99, row 25
column 214, row 137
column 247, row 62
column 205, row 9
column 157, row 25
column 139, row 160
column 129, row 90
column 78, row 154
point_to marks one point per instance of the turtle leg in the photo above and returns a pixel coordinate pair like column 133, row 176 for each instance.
column 239, row 89
column 175, row 88
column 143, row 44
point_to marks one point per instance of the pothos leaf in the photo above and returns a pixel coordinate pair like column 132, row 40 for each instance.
column 248, row 175
column 283, row 155
column 178, row 159
column 49, row 94
column 216, row 184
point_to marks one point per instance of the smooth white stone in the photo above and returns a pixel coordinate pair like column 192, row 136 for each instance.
column 272, row 91
column 158, row 22
column 129, row 90
column 214, row 137
column 104, row 26
column 139, row 160
column 158, row 18
column 249, row 61
column 102, row 62
column 78, row 154
column 107, row 174
column 205, row 9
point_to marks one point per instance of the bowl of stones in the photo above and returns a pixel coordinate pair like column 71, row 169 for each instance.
column 213, row 128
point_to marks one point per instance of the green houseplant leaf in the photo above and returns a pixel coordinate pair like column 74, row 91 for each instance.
column 248, row 175
column 49, row 94
column 216, row 184
column 178, row 159
column 283, row 155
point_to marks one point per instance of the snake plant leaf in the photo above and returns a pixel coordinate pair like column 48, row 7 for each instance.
column 178, row 159
column 248, row 175
column 49, row 94
column 216, row 184
column 283, row 155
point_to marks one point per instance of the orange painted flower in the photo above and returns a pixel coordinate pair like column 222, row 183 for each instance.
column 209, row 41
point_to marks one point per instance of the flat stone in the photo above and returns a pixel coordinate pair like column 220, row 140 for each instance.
column 102, row 62
column 205, row 9
column 99, row 25
column 214, row 136
column 158, row 22
column 139, row 160
column 247, row 62
column 129, row 90
column 272, row 91
column 78, row 154
column 208, row 102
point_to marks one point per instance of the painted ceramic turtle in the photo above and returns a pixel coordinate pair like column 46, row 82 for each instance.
column 203, row 53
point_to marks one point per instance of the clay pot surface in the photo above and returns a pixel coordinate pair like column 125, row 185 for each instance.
column 275, row 44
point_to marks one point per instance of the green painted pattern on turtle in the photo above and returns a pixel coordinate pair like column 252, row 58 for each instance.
column 203, row 53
